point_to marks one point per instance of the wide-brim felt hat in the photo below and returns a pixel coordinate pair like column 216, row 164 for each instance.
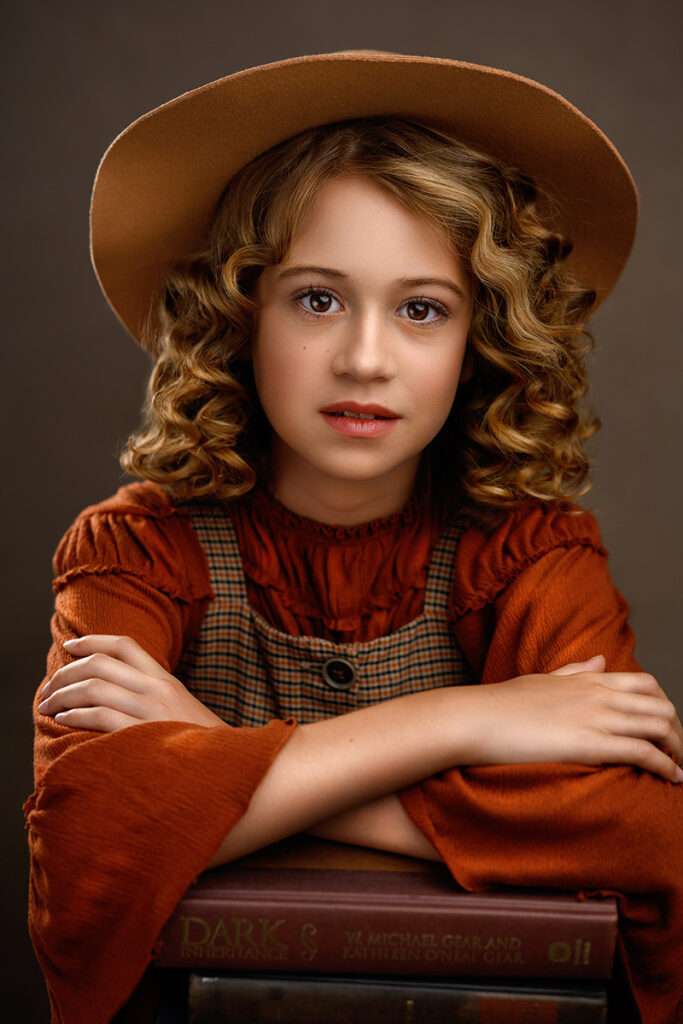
column 158, row 183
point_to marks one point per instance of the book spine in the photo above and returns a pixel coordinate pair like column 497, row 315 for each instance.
column 384, row 1001
column 295, row 936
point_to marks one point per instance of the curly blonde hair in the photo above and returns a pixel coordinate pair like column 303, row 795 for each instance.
column 516, row 430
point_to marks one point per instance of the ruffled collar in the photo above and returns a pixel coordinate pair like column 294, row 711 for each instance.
column 270, row 508
column 326, row 579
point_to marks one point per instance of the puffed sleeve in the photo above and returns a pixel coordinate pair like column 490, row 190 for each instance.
column 530, row 601
column 119, row 824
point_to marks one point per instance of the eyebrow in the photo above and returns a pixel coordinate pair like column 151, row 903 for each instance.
column 408, row 281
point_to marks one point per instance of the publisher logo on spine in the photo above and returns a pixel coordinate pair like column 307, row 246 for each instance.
column 565, row 952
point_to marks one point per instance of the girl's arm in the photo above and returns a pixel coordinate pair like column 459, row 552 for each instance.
column 328, row 768
column 116, row 684
column 612, row 830
column 381, row 824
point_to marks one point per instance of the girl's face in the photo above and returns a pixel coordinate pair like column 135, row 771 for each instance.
column 357, row 331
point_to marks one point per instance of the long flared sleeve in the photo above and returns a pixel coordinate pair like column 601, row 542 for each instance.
column 534, row 597
column 119, row 824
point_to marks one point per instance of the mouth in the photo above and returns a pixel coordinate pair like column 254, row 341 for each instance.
column 360, row 427
column 359, row 415
column 356, row 410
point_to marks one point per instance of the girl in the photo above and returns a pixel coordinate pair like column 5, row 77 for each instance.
column 364, row 279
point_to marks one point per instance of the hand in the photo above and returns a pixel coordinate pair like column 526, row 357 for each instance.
column 592, row 717
column 115, row 683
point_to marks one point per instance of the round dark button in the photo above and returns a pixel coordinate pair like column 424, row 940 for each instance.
column 339, row 673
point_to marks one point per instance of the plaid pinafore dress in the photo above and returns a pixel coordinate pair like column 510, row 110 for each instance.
column 248, row 672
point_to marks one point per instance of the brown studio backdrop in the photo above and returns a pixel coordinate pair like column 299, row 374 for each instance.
column 79, row 73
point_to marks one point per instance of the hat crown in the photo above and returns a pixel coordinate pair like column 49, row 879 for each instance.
column 170, row 166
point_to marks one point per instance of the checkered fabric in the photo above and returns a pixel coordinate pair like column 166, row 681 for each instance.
column 248, row 672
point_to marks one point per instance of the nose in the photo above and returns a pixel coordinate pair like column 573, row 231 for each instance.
column 364, row 349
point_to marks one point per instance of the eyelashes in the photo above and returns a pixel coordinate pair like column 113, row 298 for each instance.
column 417, row 299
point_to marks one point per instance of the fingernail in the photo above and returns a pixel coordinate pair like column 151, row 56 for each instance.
column 69, row 643
column 679, row 774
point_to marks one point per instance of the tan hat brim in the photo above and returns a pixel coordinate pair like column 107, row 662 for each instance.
column 157, row 184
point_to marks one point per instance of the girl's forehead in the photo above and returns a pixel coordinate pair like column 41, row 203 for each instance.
column 375, row 244
column 354, row 230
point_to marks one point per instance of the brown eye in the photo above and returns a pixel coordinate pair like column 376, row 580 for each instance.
column 422, row 308
column 316, row 299
column 320, row 299
column 423, row 305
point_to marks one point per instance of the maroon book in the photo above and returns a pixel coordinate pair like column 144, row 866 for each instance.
column 315, row 906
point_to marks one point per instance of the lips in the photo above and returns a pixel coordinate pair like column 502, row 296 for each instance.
column 379, row 411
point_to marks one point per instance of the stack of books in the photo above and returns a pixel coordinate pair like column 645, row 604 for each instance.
column 310, row 930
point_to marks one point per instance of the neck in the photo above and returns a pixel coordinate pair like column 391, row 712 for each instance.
column 347, row 503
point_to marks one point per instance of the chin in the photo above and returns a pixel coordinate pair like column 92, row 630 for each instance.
column 370, row 470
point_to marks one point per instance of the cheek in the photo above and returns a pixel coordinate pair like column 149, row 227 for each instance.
column 269, row 363
column 284, row 368
column 437, row 389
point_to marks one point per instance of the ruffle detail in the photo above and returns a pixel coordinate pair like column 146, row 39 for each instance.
column 267, row 505
column 344, row 583
column 486, row 563
column 138, row 498
column 322, row 583
column 136, row 531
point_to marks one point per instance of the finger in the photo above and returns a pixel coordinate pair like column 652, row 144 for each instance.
column 96, row 719
column 101, row 666
column 641, row 703
column 124, row 648
column 95, row 693
column 635, row 682
column 678, row 729
column 594, row 664
column 641, row 692
column 655, row 728
column 644, row 683
column 664, row 712
column 645, row 755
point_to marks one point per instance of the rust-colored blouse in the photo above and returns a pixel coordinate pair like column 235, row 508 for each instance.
column 118, row 827
column 343, row 583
